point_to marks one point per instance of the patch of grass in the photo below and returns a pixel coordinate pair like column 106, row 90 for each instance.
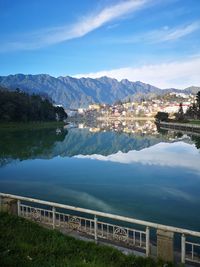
column 24, row 243
column 29, row 125
column 194, row 122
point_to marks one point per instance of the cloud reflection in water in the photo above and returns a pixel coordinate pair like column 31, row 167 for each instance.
column 177, row 154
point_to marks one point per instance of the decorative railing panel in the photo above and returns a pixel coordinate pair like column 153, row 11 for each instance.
column 192, row 252
column 129, row 236
column 36, row 214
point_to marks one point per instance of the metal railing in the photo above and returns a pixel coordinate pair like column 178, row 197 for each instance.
column 100, row 225
column 98, row 229
column 192, row 251
column 185, row 125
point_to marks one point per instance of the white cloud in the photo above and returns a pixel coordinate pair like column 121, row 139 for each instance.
column 161, row 154
column 84, row 26
column 172, row 34
column 166, row 34
column 176, row 74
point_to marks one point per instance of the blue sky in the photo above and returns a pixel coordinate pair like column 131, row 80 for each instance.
column 154, row 41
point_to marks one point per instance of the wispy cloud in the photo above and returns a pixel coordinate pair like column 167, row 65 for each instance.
column 178, row 74
column 85, row 25
column 171, row 34
column 165, row 34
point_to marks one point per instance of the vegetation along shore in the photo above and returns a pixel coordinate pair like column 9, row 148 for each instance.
column 24, row 243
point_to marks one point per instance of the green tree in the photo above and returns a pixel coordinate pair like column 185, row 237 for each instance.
column 162, row 116
column 198, row 104
column 180, row 115
column 193, row 112
column 61, row 115
column 19, row 106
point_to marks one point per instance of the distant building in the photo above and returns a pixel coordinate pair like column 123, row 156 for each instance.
column 81, row 110
column 94, row 106
column 94, row 130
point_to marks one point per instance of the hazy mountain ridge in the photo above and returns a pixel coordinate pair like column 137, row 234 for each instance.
column 73, row 93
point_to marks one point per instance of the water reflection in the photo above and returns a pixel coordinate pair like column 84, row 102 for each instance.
column 181, row 155
column 26, row 144
column 196, row 140
column 152, row 176
column 130, row 127
column 102, row 139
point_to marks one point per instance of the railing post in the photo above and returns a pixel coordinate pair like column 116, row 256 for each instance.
column 95, row 228
column 18, row 207
column 147, row 241
column 183, row 248
column 165, row 245
column 54, row 217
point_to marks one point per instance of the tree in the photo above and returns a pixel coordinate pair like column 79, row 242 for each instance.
column 61, row 115
column 162, row 116
column 198, row 104
column 180, row 114
column 193, row 112
column 19, row 106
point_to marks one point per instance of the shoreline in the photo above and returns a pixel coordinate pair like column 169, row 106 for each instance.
column 29, row 125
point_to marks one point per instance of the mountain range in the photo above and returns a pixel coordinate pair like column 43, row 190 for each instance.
column 74, row 93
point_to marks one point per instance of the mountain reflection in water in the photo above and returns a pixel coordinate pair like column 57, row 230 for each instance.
column 104, row 140
column 128, row 169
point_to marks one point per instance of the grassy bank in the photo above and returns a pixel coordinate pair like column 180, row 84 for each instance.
column 23, row 243
column 194, row 122
column 30, row 125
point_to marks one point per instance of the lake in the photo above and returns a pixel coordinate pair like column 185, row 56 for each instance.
column 133, row 170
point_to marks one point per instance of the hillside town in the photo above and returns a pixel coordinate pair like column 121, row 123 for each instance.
column 169, row 103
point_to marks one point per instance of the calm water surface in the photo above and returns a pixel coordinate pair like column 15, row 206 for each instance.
column 134, row 171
